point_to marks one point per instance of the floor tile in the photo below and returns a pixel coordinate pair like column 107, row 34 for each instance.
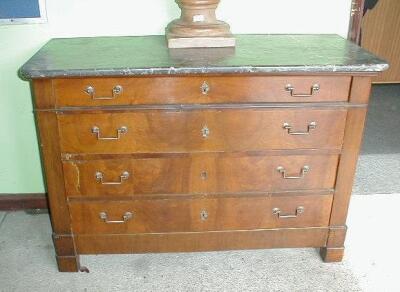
column 377, row 174
column 27, row 261
column 2, row 217
column 382, row 133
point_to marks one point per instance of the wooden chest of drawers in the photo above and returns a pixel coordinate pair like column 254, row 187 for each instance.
column 169, row 157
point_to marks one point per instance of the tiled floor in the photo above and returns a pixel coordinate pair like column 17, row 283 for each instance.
column 382, row 134
column 377, row 174
column 379, row 165
column 27, row 261
column 2, row 217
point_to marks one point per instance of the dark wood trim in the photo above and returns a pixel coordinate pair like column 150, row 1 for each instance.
column 47, row 126
column 15, row 202
column 197, row 107
column 77, row 157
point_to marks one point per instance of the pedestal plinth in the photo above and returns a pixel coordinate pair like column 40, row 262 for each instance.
column 198, row 26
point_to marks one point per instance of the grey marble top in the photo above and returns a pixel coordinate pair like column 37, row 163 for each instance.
column 148, row 55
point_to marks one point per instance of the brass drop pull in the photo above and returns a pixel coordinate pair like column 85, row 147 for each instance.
column 126, row 217
column 205, row 132
column 314, row 89
column 100, row 178
column 289, row 128
column 90, row 90
column 278, row 212
column 305, row 169
column 205, row 88
column 120, row 131
column 203, row 215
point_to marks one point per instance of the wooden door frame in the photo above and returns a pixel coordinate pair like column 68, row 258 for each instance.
column 357, row 12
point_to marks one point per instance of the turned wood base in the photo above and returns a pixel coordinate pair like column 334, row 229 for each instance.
column 332, row 255
column 198, row 27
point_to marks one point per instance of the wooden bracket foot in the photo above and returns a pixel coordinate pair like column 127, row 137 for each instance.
column 68, row 263
column 332, row 255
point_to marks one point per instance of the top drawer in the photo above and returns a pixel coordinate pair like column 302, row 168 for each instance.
column 199, row 90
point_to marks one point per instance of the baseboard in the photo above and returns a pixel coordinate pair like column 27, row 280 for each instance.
column 15, row 202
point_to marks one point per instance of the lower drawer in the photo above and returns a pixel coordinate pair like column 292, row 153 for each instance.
column 188, row 214
column 199, row 173
column 200, row 241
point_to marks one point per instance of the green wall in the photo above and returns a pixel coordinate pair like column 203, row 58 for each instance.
column 20, row 167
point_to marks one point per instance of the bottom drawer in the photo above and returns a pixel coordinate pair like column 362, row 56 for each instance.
column 188, row 214
column 201, row 241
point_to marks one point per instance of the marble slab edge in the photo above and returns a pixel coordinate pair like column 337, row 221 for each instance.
column 28, row 74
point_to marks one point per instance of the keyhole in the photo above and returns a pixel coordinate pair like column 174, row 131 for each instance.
column 204, row 175
column 205, row 132
column 205, row 88
column 204, row 215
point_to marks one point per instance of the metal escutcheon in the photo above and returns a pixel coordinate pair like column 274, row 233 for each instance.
column 203, row 215
column 205, row 132
column 205, row 88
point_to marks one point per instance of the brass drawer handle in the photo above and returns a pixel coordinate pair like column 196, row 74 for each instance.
column 100, row 178
column 120, row 131
column 90, row 90
column 126, row 217
column 278, row 212
column 305, row 169
column 314, row 89
column 205, row 88
column 289, row 128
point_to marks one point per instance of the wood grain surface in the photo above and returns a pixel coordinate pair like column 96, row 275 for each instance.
column 188, row 90
column 199, row 174
column 51, row 158
column 203, row 176
column 183, row 131
column 184, row 214
column 381, row 35
column 201, row 241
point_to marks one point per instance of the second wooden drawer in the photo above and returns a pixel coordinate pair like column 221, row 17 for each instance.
column 201, row 131
column 201, row 173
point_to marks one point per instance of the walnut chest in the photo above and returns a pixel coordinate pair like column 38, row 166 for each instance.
column 147, row 149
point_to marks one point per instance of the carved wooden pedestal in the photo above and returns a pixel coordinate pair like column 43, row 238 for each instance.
column 198, row 26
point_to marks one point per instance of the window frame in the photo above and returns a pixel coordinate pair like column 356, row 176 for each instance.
column 32, row 20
